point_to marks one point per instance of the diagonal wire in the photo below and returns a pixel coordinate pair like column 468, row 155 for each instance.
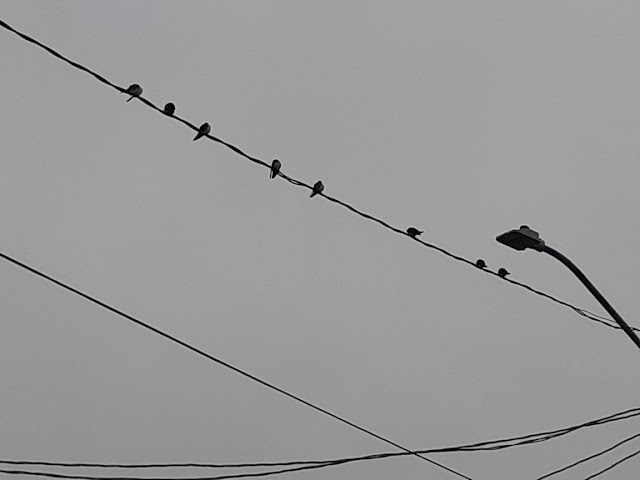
column 219, row 361
column 590, row 457
column 317, row 464
column 580, row 311
column 613, row 465
column 585, row 313
column 487, row 445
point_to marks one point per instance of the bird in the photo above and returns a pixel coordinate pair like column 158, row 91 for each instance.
column 134, row 90
column 502, row 272
column 204, row 129
column 480, row 263
column 318, row 187
column 414, row 232
column 275, row 168
column 169, row 109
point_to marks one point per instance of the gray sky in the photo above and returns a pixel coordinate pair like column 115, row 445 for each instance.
column 462, row 118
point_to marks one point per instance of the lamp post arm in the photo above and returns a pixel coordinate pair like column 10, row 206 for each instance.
column 594, row 291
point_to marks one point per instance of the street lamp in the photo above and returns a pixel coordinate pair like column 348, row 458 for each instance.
column 523, row 238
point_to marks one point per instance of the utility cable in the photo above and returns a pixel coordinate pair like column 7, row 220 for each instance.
column 219, row 361
column 590, row 457
column 317, row 464
column 487, row 445
column 613, row 465
column 580, row 311
column 217, row 477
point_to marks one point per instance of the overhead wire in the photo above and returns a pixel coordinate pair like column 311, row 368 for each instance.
column 614, row 465
column 300, row 465
column 590, row 457
column 217, row 477
column 580, row 311
column 486, row 445
column 219, row 361
column 318, row 464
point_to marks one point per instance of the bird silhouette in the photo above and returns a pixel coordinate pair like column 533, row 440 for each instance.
column 134, row 90
column 204, row 129
column 414, row 232
column 275, row 168
column 480, row 263
column 502, row 272
column 318, row 187
column 169, row 109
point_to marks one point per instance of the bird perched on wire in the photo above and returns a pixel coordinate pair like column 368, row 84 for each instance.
column 169, row 109
column 318, row 187
column 414, row 232
column 134, row 90
column 276, row 165
column 204, row 129
column 480, row 263
column 502, row 272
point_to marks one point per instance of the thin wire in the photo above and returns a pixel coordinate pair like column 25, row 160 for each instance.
column 614, row 465
column 490, row 445
column 590, row 457
column 580, row 311
column 218, row 477
column 312, row 465
column 317, row 464
column 223, row 363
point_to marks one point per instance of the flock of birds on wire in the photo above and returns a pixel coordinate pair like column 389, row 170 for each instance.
column 135, row 90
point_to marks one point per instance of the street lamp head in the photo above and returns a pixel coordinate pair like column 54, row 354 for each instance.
column 521, row 239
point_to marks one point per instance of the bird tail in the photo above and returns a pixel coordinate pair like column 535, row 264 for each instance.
column 272, row 175
column 313, row 194
column 198, row 135
column 130, row 98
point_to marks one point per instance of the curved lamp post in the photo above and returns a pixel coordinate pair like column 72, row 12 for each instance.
column 523, row 238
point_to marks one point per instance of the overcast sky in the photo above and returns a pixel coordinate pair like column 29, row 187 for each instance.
column 464, row 119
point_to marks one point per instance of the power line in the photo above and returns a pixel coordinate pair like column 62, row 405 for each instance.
column 219, row 361
column 590, row 457
column 217, row 477
column 490, row 445
column 580, row 311
column 585, row 313
column 487, row 445
column 614, row 465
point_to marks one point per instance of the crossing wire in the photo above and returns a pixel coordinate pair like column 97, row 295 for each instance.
column 590, row 457
column 301, row 465
column 605, row 321
column 487, row 445
column 219, row 361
